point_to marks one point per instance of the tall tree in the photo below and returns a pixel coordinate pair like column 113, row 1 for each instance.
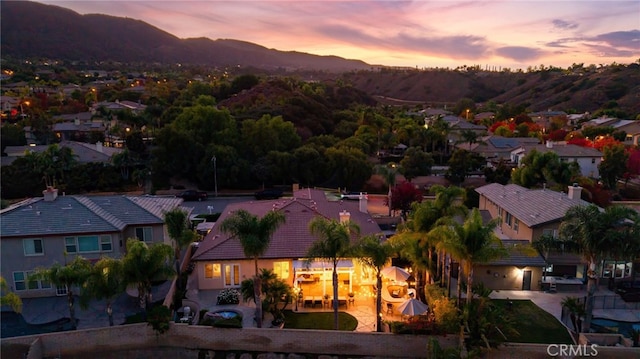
column 333, row 243
column 416, row 163
column 597, row 235
column 471, row 243
column 403, row 196
column 613, row 165
column 71, row 275
column 143, row 264
column 254, row 235
column 375, row 253
column 389, row 172
column 179, row 232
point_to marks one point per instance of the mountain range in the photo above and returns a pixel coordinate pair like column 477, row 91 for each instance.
column 32, row 30
column 35, row 30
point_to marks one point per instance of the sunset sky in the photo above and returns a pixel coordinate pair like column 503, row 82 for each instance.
column 443, row 33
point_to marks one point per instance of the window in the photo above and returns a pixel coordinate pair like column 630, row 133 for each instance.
column 231, row 275
column 88, row 244
column 593, row 160
column 550, row 232
column 144, row 234
column 60, row 291
column 105, row 244
column 33, row 247
column 70, row 244
column 21, row 282
column 516, row 224
column 508, row 218
column 212, row 270
column 281, row 269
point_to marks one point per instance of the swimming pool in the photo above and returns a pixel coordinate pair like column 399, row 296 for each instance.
column 600, row 325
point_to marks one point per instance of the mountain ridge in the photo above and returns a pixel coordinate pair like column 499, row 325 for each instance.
column 34, row 30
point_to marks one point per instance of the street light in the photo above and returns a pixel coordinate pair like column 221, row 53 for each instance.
column 215, row 175
column 110, row 314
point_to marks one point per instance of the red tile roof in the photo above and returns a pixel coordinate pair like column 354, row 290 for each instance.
column 291, row 239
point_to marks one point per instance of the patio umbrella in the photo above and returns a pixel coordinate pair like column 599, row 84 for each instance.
column 413, row 307
column 395, row 273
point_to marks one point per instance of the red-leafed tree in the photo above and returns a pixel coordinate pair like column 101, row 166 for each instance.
column 606, row 141
column 558, row 135
column 633, row 164
column 402, row 196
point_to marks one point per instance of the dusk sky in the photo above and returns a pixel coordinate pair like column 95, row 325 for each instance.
column 443, row 33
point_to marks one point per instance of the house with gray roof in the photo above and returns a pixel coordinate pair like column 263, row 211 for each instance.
column 587, row 158
column 221, row 262
column 527, row 214
column 496, row 148
column 83, row 152
column 39, row 232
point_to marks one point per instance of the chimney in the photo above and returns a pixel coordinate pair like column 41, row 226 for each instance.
column 574, row 192
column 344, row 216
column 99, row 146
column 549, row 144
column 363, row 203
column 50, row 194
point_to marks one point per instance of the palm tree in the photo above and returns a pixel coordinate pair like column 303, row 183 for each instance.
column 9, row 298
column 66, row 276
column 471, row 243
column 144, row 264
column 408, row 246
column 449, row 202
column 333, row 243
column 254, row 235
column 596, row 235
column 105, row 281
column 176, row 221
column 389, row 173
column 374, row 253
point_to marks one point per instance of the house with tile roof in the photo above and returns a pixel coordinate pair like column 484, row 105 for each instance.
column 527, row 214
column 588, row 158
column 39, row 232
column 495, row 148
column 221, row 263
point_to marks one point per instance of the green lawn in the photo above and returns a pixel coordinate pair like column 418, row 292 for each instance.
column 534, row 324
column 318, row 320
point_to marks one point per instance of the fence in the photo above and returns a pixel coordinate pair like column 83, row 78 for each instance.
column 611, row 302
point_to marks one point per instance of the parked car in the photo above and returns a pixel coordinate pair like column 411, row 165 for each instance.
column 269, row 193
column 193, row 195
column 353, row 195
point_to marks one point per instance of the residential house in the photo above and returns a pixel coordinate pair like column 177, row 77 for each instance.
column 84, row 152
column 588, row 158
column 221, row 262
column 39, row 232
column 630, row 127
column 496, row 148
column 527, row 214
column 545, row 119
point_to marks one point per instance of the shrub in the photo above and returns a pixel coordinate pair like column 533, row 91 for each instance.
column 228, row 296
column 159, row 318
column 446, row 314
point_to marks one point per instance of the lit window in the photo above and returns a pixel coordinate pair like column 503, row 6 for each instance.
column 212, row 270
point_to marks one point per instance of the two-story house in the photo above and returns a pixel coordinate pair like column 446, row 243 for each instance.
column 587, row 158
column 39, row 232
